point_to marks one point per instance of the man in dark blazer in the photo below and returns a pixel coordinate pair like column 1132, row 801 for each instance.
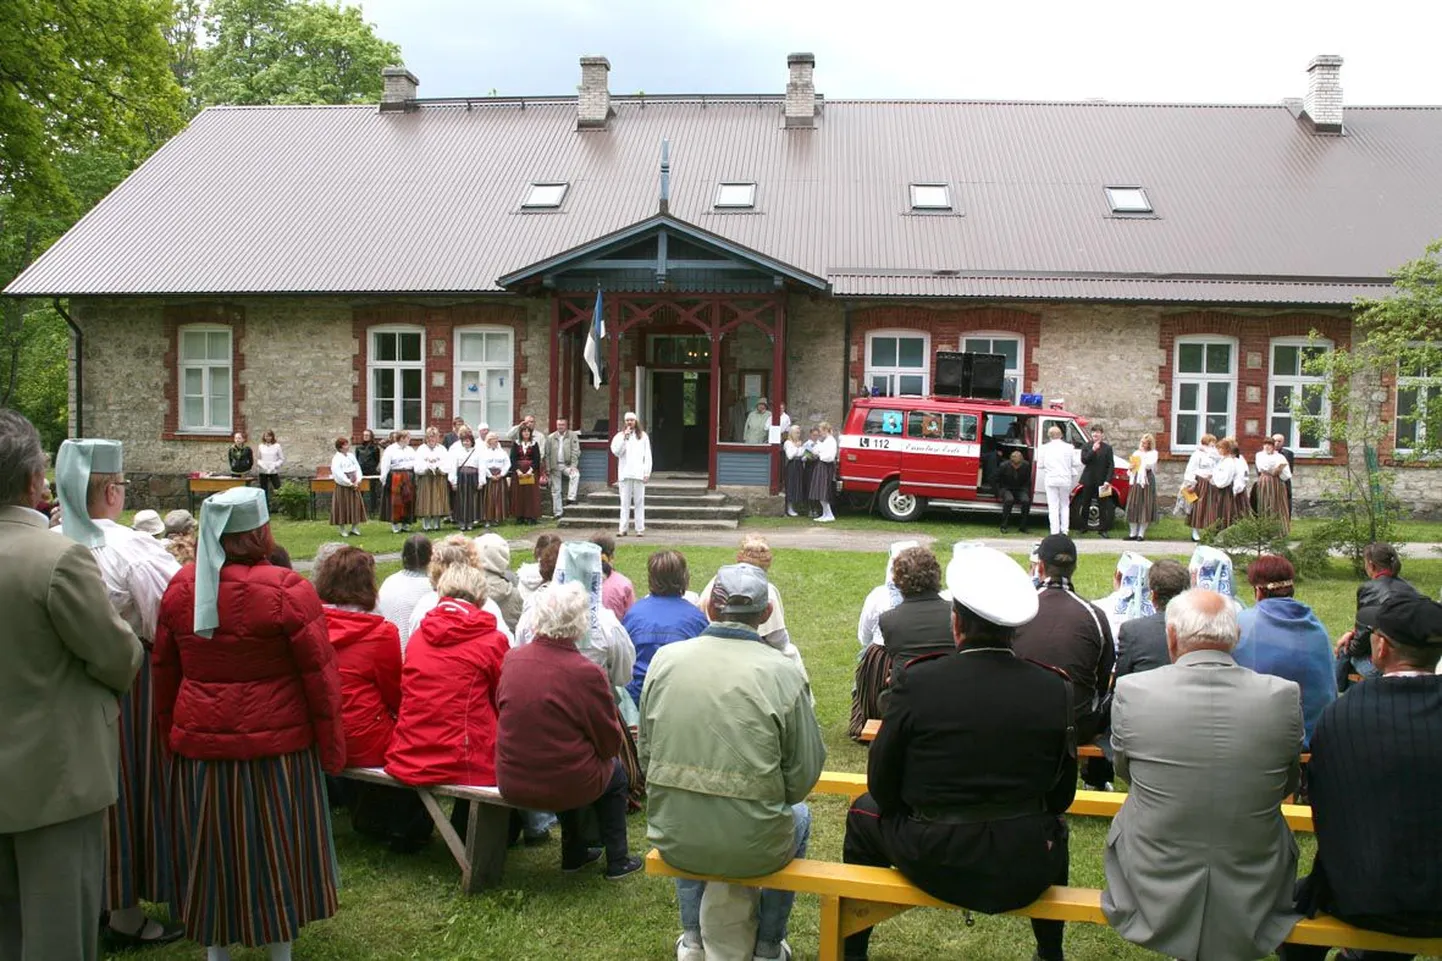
column 1374, row 780
column 1291, row 455
column 1142, row 641
column 68, row 657
column 1098, row 462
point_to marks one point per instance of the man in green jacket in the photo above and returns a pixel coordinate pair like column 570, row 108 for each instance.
column 731, row 747
column 68, row 657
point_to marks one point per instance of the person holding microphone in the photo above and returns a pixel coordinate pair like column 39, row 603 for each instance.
column 633, row 468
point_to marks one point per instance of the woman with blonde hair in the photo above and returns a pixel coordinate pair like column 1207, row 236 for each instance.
column 1198, row 480
column 794, row 470
column 398, row 482
column 1142, row 501
column 632, row 449
column 496, row 475
column 433, row 490
column 823, row 476
column 1273, row 476
column 1222, row 498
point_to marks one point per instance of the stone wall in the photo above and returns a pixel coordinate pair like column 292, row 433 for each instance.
column 816, row 353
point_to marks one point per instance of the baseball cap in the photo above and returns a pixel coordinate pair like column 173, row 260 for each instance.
column 1413, row 621
column 739, row 589
column 1057, row 549
column 992, row 585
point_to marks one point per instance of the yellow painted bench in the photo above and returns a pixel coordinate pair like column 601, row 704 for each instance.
column 855, row 897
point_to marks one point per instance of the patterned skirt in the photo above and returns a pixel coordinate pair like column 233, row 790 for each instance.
column 254, row 858
column 635, row 774
column 823, row 477
column 433, row 496
column 1142, row 502
column 1204, row 511
column 138, row 825
column 1227, row 507
column 1272, row 500
column 795, row 474
column 467, row 512
column 866, row 690
column 347, row 507
column 398, row 500
column 496, row 499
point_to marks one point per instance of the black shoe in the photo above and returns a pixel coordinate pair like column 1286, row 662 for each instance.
column 592, row 856
column 614, row 872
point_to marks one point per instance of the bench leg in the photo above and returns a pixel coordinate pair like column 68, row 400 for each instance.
column 448, row 833
column 486, row 837
column 829, row 935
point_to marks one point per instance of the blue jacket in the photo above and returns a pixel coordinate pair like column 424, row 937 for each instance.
column 1282, row 637
column 653, row 622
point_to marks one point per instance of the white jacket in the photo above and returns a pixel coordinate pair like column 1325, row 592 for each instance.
column 633, row 457
column 1058, row 461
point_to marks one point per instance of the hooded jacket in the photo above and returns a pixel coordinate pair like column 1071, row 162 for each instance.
column 446, row 731
column 368, row 653
column 500, row 582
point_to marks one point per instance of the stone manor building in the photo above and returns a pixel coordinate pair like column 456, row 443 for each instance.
column 320, row 270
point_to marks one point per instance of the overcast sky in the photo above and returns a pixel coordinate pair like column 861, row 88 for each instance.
column 1229, row 51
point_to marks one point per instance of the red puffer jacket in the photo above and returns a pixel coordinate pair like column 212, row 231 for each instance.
column 368, row 652
column 446, row 732
column 264, row 685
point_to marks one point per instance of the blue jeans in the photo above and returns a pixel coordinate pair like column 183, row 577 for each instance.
column 774, row 910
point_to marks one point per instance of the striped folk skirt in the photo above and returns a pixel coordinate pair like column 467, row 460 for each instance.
column 347, row 507
column 1272, row 500
column 1142, row 502
column 795, row 474
column 254, row 858
column 866, row 691
column 527, row 497
column 1228, row 508
column 1204, row 512
column 496, row 499
column 433, row 495
column 398, row 500
column 467, row 512
column 823, row 478
column 138, row 825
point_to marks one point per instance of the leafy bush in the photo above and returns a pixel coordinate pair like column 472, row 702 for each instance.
column 1250, row 537
column 292, row 500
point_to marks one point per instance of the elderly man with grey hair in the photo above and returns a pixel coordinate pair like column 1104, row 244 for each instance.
column 1200, row 862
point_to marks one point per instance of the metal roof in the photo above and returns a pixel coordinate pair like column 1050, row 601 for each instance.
column 1251, row 206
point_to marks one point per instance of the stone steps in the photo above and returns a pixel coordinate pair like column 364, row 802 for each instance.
column 671, row 504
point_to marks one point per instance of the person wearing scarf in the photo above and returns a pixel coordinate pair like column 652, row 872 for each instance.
column 1211, row 569
column 1130, row 597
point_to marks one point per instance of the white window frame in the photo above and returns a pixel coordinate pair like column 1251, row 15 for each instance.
column 539, row 194
column 1423, row 386
column 395, row 366
column 735, row 195
column 1118, row 198
column 509, row 367
column 1016, row 373
column 1202, row 380
column 1298, row 383
column 215, row 422
column 918, row 192
column 892, row 372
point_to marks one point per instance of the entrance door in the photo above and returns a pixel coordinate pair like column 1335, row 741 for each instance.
column 680, row 411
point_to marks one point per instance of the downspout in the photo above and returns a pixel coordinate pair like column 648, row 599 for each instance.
column 845, row 361
column 79, row 365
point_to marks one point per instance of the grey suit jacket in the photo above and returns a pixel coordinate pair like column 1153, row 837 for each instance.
column 1199, row 862
column 1142, row 644
column 67, row 658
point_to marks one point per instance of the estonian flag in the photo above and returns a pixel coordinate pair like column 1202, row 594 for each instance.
column 593, row 352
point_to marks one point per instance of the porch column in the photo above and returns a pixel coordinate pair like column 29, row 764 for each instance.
column 552, row 411
column 613, row 367
column 778, row 384
column 715, row 426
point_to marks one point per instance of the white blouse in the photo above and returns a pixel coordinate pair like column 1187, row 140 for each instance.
column 271, row 457
column 397, row 457
column 1266, row 463
column 792, row 449
column 1148, row 463
column 1224, row 473
column 1239, row 479
column 1201, row 464
column 826, row 449
column 343, row 467
column 495, row 458
column 463, row 456
column 433, row 460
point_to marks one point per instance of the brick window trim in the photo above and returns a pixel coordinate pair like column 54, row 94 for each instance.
column 176, row 316
column 439, row 324
column 945, row 326
column 1253, row 335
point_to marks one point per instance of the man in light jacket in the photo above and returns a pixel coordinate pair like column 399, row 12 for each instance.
column 563, row 464
column 1199, row 861
column 68, row 657
column 1058, row 462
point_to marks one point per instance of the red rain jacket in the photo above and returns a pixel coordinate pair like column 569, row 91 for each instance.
column 368, row 652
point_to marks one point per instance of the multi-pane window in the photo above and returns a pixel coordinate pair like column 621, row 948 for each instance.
column 1007, row 346
column 205, row 372
column 897, row 363
column 483, row 377
column 1294, row 390
column 1419, row 390
column 1204, row 389
column 397, row 375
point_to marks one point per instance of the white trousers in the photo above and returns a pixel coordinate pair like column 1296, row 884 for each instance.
column 559, row 479
column 1058, row 508
column 633, row 496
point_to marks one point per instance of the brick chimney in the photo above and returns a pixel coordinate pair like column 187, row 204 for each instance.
column 1323, row 103
column 400, row 90
column 801, row 90
column 593, row 106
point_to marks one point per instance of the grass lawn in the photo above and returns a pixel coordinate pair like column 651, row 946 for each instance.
column 395, row 907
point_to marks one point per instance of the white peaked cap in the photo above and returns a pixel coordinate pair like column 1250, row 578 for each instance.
column 991, row 585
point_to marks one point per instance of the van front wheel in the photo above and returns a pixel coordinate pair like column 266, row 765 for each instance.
column 896, row 506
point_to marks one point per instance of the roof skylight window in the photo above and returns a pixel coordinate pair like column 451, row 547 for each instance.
column 735, row 195
column 930, row 197
column 1128, row 200
column 545, row 196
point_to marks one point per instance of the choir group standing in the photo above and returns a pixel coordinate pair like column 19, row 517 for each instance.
column 1214, row 486
column 810, row 471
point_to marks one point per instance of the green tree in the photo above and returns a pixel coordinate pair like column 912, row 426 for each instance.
column 290, row 52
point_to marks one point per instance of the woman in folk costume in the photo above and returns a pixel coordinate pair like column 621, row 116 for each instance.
column 466, row 479
column 527, row 471
column 496, row 470
column 247, row 695
column 1241, row 504
column 1211, row 569
column 1223, row 498
column 347, row 507
column 823, row 476
column 1130, row 597
column 398, row 482
column 1198, row 480
column 871, row 664
column 433, row 489
column 1273, row 474
column 136, row 570
column 1142, row 501
column 794, row 470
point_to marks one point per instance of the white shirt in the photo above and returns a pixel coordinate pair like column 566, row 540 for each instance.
column 878, row 602
column 136, row 570
column 397, row 457
column 1239, row 479
column 493, row 459
column 271, row 457
column 633, row 457
column 428, row 602
column 398, row 596
column 1224, row 473
column 792, row 449
column 1266, row 463
column 344, row 466
column 826, row 449
column 1057, row 460
column 1149, row 463
column 432, row 460
column 610, row 648
column 462, row 456
column 784, row 423
column 1201, row 464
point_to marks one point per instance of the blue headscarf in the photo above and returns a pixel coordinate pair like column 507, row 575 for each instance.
column 1134, row 599
column 1211, row 569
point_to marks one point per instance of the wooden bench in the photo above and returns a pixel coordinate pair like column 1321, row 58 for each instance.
column 482, row 855
column 855, row 897
column 326, row 485
column 213, row 485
